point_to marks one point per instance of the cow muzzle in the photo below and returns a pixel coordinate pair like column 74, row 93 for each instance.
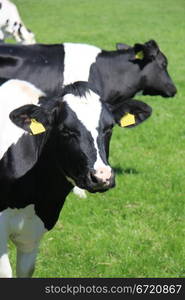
column 101, row 179
column 170, row 91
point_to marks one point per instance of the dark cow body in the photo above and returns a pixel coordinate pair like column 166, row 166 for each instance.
column 42, row 65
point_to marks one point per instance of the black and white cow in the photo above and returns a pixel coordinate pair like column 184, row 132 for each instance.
column 115, row 75
column 47, row 145
column 11, row 25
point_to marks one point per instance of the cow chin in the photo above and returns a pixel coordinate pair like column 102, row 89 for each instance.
column 100, row 189
column 150, row 92
column 95, row 187
column 165, row 94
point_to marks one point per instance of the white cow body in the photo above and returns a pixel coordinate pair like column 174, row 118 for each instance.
column 11, row 25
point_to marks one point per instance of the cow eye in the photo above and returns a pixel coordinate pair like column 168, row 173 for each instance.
column 164, row 65
column 68, row 133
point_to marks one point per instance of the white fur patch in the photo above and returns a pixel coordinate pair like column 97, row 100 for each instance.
column 77, row 61
column 79, row 192
column 88, row 110
column 13, row 94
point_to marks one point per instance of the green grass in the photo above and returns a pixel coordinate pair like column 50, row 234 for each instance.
column 138, row 228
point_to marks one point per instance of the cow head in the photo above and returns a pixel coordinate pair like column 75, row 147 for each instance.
column 155, row 79
column 79, row 127
column 121, row 74
column 84, row 131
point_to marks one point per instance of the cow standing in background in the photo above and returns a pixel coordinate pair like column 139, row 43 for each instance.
column 11, row 25
column 58, row 142
column 115, row 75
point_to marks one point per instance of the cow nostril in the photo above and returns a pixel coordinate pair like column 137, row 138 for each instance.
column 174, row 91
column 93, row 178
column 171, row 91
column 100, row 183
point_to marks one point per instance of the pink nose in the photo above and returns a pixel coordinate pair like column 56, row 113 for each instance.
column 103, row 174
column 102, row 178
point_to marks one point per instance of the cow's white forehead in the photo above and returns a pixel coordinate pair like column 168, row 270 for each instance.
column 87, row 109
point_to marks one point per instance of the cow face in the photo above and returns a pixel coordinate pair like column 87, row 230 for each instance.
column 84, row 134
column 155, row 79
column 79, row 128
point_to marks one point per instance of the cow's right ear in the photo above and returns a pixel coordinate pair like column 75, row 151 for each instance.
column 31, row 118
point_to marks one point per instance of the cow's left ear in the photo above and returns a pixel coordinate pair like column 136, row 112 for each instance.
column 147, row 51
column 131, row 113
column 121, row 46
column 31, row 118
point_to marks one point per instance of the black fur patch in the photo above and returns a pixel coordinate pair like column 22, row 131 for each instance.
column 79, row 88
column 3, row 80
column 7, row 62
column 42, row 65
column 19, row 32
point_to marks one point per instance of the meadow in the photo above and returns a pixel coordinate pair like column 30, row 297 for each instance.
column 136, row 229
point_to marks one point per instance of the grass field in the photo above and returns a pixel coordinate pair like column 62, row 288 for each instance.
column 138, row 228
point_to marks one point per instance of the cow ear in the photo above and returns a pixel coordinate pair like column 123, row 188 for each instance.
column 31, row 118
column 151, row 49
column 121, row 46
column 147, row 51
column 131, row 113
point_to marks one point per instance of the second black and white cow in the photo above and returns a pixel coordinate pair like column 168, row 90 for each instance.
column 114, row 75
column 47, row 145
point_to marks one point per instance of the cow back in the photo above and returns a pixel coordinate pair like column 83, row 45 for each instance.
column 42, row 65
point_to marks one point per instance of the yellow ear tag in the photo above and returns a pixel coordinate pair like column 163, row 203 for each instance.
column 127, row 120
column 139, row 55
column 36, row 127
